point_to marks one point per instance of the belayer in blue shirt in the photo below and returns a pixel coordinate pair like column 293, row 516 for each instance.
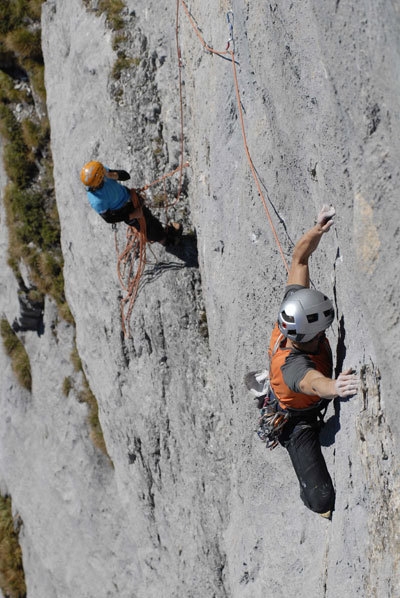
column 116, row 203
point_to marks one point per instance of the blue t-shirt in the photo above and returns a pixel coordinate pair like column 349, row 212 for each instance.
column 111, row 196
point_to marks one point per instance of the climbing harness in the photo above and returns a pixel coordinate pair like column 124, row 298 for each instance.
column 272, row 418
column 271, row 422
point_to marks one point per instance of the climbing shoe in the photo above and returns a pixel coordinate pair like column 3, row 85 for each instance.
column 327, row 515
column 174, row 233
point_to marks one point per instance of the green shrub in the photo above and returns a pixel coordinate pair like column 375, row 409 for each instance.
column 32, row 224
column 123, row 62
column 18, row 355
column 19, row 167
column 34, row 9
column 36, row 77
column 32, row 218
column 7, row 91
column 65, row 313
column 118, row 39
column 11, row 14
column 31, row 133
column 25, row 43
column 14, row 12
column 12, row 578
column 86, row 396
column 46, row 272
column 10, row 339
column 113, row 9
column 9, row 126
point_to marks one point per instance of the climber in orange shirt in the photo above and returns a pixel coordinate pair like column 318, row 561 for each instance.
column 300, row 373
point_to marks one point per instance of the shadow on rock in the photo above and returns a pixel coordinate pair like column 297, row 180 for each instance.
column 31, row 313
column 186, row 251
column 329, row 430
column 332, row 425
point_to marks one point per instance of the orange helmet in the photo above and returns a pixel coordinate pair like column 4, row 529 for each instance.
column 92, row 174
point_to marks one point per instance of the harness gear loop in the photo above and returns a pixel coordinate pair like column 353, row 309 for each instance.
column 271, row 422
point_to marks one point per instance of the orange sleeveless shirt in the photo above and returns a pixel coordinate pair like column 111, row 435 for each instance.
column 278, row 353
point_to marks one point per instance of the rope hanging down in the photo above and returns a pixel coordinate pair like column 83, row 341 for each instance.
column 130, row 266
column 132, row 260
column 230, row 51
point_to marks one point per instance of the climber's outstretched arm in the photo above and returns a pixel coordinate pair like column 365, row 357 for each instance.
column 306, row 245
column 315, row 383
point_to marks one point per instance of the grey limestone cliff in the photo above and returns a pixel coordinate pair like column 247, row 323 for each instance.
column 189, row 502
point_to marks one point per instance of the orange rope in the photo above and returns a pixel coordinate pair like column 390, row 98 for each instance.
column 197, row 31
column 132, row 261
column 250, row 161
column 165, row 176
column 130, row 265
column 238, row 100
column 178, row 51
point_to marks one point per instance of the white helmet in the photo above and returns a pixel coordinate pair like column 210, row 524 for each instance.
column 305, row 313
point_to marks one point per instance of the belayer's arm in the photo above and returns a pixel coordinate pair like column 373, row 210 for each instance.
column 118, row 175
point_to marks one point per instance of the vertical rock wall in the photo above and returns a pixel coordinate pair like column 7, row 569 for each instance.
column 193, row 504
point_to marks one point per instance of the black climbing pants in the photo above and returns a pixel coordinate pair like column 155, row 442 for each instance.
column 300, row 437
column 155, row 231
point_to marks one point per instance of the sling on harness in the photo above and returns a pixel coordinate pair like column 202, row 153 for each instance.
column 272, row 416
column 123, row 213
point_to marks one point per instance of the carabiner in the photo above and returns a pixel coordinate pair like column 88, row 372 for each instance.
column 230, row 18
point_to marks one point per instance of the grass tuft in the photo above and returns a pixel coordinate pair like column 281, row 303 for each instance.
column 112, row 9
column 24, row 43
column 87, row 396
column 12, row 578
column 96, row 432
column 19, row 357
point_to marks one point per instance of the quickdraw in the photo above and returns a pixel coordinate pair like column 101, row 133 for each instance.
column 271, row 423
column 230, row 18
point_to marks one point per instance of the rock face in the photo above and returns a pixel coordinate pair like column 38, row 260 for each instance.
column 192, row 503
